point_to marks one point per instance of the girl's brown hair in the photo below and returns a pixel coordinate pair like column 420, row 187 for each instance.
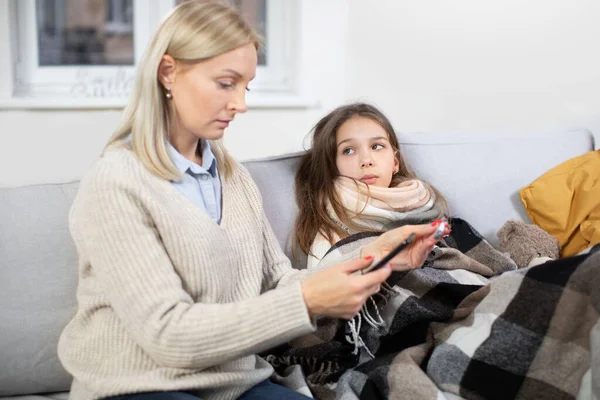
column 317, row 171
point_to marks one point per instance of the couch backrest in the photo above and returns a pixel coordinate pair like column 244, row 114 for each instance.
column 38, row 278
column 480, row 175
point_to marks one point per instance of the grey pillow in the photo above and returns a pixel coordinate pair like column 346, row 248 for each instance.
column 38, row 274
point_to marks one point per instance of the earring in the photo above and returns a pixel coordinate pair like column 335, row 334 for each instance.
column 169, row 95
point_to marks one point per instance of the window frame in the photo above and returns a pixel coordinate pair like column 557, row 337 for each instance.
column 108, row 86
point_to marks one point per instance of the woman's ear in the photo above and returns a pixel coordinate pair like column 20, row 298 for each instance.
column 166, row 71
column 396, row 162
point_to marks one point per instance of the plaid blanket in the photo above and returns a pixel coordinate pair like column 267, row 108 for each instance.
column 451, row 332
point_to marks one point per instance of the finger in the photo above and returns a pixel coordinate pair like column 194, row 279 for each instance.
column 376, row 277
column 402, row 267
column 420, row 246
column 423, row 230
column 370, row 291
column 373, row 289
column 448, row 230
column 420, row 253
column 423, row 246
column 355, row 265
column 430, row 241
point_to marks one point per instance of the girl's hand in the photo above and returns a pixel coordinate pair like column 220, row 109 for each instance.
column 335, row 292
column 414, row 255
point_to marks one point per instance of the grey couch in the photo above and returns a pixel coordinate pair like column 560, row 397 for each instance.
column 480, row 175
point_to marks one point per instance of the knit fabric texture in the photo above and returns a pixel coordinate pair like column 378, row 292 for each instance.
column 168, row 299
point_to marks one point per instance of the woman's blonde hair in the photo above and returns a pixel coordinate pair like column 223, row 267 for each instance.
column 194, row 31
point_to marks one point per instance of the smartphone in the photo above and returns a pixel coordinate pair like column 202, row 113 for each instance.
column 376, row 265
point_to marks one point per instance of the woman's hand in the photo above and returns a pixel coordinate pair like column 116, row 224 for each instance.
column 414, row 255
column 335, row 292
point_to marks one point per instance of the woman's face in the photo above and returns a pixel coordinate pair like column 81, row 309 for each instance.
column 209, row 94
column 364, row 152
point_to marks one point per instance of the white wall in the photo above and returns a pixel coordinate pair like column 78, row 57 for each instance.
column 501, row 65
column 505, row 65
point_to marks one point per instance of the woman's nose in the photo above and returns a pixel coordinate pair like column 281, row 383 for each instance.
column 238, row 103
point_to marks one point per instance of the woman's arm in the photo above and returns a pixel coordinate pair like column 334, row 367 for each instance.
column 328, row 291
column 277, row 267
column 134, row 272
column 331, row 289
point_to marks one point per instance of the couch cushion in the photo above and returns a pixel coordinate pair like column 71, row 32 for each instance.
column 481, row 175
column 51, row 396
column 274, row 177
column 38, row 267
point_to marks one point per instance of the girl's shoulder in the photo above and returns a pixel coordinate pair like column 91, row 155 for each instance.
column 320, row 246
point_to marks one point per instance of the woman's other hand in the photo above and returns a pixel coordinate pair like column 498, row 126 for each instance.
column 336, row 292
column 414, row 255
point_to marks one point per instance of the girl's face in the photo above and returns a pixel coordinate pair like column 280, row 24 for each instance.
column 207, row 95
column 364, row 152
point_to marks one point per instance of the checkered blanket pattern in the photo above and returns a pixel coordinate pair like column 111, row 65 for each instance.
column 454, row 333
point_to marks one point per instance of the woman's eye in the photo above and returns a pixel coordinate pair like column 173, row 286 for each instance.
column 377, row 146
column 226, row 85
column 348, row 151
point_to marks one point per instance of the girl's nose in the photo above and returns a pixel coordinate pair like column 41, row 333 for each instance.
column 366, row 163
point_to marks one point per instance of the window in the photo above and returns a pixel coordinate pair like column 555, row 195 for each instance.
column 82, row 53
column 84, row 33
column 255, row 13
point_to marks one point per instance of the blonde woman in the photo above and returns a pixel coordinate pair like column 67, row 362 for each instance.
column 181, row 281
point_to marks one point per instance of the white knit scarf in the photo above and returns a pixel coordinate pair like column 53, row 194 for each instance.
column 376, row 207
column 381, row 208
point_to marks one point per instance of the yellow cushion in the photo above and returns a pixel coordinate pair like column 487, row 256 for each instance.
column 565, row 202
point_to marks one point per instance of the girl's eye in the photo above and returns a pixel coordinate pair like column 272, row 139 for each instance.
column 348, row 151
column 377, row 146
column 247, row 89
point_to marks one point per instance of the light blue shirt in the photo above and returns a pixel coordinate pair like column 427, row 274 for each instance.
column 200, row 184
